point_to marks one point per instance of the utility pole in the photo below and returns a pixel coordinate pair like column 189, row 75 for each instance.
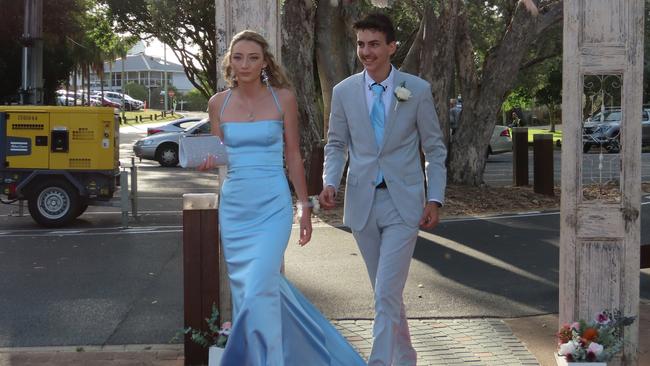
column 31, row 91
column 165, row 76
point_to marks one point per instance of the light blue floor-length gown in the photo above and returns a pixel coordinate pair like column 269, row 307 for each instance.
column 273, row 323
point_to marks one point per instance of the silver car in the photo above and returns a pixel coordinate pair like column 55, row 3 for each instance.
column 500, row 141
column 163, row 147
column 178, row 125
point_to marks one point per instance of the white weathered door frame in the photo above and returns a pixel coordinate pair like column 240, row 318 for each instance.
column 599, row 240
column 232, row 16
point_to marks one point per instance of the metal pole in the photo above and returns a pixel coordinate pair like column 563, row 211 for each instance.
column 122, row 87
column 24, row 89
column 124, row 197
column 32, row 57
column 165, row 76
column 134, row 190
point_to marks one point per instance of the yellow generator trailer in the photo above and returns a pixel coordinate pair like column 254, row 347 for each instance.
column 59, row 159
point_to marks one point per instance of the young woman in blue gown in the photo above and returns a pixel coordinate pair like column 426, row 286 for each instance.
column 257, row 118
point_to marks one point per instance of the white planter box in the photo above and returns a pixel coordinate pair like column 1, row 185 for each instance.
column 562, row 362
column 214, row 356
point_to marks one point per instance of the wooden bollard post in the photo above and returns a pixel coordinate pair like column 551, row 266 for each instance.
column 200, row 267
column 543, row 179
column 520, row 156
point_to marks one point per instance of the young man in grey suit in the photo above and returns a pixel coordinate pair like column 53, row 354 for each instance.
column 381, row 117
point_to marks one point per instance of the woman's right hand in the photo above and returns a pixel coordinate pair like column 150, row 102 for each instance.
column 210, row 162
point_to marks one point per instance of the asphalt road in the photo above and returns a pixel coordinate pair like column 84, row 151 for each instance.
column 97, row 283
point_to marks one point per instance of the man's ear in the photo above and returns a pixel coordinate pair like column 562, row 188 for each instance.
column 393, row 47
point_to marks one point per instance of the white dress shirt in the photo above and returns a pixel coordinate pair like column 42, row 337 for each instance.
column 387, row 96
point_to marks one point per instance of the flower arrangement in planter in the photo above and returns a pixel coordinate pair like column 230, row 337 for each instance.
column 596, row 341
column 215, row 338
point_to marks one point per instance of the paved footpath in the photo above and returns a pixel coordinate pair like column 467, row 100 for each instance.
column 438, row 342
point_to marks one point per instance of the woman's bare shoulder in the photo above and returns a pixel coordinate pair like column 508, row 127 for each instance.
column 218, row 97
column 286, row 95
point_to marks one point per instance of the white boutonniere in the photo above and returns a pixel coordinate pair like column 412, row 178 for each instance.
column 402, row 94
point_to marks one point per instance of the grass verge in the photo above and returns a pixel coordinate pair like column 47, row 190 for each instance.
column 557, row 135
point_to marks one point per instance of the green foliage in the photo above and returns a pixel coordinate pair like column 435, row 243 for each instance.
column 487, row 21
column 551, row 91
column 195, row 101
column 61, row 19
column 214, row 336
column 76, row 33
column 520, row 98
column 136, row 91
column 187, row 26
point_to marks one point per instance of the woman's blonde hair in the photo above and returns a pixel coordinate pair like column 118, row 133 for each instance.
column 276, row 75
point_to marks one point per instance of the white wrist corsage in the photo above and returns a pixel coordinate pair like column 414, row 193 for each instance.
column 312, row 202
column 402, row 94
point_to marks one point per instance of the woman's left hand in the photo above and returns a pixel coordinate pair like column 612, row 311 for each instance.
column 305, row 226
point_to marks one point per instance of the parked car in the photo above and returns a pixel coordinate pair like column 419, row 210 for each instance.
column 500, row 141
column 64, row 97
column 163, row 147
column 130, row 104
column 605, row 127
column 178, row 125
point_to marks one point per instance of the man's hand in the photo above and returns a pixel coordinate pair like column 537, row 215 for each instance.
column 326, row 198
column 430, row 217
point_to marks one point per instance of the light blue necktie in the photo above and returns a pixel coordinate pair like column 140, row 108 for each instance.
column 377, row 116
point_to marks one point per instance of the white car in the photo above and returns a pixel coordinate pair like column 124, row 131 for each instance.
column 163, row 147
column 500, row 141
column 130, row 104
column 178, row 125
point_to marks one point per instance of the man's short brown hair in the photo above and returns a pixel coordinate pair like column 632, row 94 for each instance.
column 377, row 22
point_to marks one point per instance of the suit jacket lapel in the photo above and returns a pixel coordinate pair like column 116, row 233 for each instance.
column 392, row 110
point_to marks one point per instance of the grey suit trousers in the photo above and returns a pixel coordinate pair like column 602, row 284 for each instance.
column 386, row 244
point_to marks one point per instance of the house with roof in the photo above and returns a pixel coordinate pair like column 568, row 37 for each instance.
column 142, row 69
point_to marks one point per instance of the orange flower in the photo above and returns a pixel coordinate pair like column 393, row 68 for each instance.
column 590, row 334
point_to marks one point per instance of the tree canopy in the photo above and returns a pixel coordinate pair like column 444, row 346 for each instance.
column 76, row 35
column 186, row 26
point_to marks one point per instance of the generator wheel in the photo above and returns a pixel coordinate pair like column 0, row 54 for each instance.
column 54, row 203
column 82, row 209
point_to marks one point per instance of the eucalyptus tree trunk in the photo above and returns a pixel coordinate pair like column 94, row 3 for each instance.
column 437, row 55
column 335, row 47
column 297, row 55
column 483, row 94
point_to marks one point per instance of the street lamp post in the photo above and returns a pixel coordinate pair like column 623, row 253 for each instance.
column 165, row 75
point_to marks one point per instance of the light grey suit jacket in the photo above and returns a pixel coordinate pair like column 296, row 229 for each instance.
column 409, row 124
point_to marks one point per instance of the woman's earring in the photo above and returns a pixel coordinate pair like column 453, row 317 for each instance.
column 265, row 77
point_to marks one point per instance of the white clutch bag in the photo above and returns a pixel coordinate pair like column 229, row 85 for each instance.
column 193, row 150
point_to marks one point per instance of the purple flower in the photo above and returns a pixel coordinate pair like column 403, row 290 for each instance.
column 591, row 356
column 602, row 318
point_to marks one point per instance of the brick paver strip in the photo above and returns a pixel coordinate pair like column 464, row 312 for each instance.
column 442, row 342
